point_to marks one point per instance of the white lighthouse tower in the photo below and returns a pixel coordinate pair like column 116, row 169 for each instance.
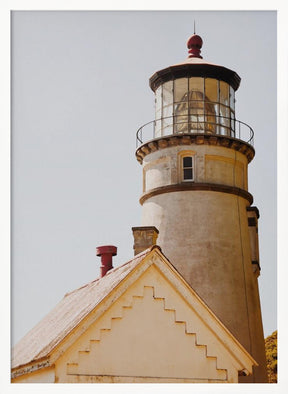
column 195, row 192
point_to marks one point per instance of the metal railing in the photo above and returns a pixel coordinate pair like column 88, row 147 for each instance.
column 196, row 124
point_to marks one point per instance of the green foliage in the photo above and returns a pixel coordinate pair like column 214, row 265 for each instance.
column 271, row 357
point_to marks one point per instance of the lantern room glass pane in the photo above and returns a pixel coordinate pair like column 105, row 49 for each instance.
column 216, row 108
column 196, row 107
column 158, row 129
column 158, row 115
column 211, row 90
column 180, row 89
column 210, row 108
column 233, row 123
column 158, row 102
column 210, row 124
column 225, row 112
column 224, row 93
column 167, row 111
column 224, row 130
column 167, row 125
column 196, row 88
column 181, row 124
column 225, row 120
column 167, row 93
column 232, row 98
column 181, row 108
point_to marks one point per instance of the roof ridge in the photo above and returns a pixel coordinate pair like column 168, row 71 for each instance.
column 114, row 269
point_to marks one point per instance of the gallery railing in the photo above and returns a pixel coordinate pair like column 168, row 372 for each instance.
column 195, row 124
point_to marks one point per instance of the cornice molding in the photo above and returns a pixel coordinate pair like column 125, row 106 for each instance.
column 194, row 139
column 186, row 70
column 192, row 186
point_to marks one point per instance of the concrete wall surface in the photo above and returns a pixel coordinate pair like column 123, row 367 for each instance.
column 206, row 236
column 212, row 164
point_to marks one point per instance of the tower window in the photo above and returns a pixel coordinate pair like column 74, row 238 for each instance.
column 187, row 166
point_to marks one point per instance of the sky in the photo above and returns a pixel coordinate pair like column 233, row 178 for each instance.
column 80, row 90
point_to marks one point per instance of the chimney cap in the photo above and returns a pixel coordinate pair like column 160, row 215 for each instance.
column 106, row 249
column 145, row 228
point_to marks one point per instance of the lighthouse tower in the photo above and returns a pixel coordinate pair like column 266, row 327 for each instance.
column 195, row 157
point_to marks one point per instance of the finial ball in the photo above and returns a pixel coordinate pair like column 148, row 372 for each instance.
column 194, row 41
column 194, row 45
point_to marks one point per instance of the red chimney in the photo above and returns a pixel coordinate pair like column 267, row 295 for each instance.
column 106, row 253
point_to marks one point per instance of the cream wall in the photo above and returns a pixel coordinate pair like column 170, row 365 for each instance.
column 212, row 164
column 148, row 335
column 205, row 236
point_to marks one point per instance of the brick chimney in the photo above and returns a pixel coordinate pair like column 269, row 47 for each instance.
column 144, row 238
column 106, row 252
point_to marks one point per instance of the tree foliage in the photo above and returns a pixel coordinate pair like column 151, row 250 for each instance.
column 271, row 357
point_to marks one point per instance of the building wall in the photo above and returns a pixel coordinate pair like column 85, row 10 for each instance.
column 149, row 335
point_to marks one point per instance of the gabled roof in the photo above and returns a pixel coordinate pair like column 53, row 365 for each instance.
column 49, row 339
column 68, row 313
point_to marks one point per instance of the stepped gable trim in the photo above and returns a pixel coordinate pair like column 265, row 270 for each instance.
column 192, row 186
column 59, row 326
column 231, row 344
column 194, row 138
column 134, row 269
column 72, row 368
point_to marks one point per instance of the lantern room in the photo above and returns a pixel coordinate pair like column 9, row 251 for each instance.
column 195, row 97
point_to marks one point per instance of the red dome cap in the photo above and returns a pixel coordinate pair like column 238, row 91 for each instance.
column 194, row 44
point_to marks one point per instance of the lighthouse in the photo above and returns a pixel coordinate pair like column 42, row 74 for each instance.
column 195, row 157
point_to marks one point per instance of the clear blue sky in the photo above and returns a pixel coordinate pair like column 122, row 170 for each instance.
column 79, row 93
